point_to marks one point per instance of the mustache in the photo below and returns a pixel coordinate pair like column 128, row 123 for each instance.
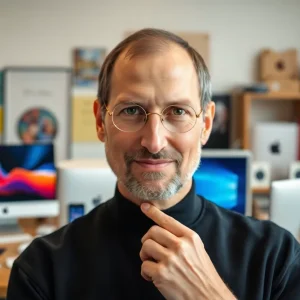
column 145, row 154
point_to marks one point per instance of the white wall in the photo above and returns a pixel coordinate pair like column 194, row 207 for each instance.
column 40, row 32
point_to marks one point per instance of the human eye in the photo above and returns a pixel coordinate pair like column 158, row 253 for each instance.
column 176, row 111
column 130, row 110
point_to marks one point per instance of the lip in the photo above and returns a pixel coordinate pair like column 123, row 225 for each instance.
column 153, row 161
column 153, row 164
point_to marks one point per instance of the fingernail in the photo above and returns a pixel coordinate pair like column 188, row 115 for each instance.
column 145, row 206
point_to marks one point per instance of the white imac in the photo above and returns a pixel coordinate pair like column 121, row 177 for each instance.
column 285, row 205
column 27, row 184
column 83, row 184
column 224, row 177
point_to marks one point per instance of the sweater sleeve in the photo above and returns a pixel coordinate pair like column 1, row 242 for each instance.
column 288, row 288
column 22, row 287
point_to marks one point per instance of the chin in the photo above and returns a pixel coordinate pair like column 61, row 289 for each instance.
column 152, row 188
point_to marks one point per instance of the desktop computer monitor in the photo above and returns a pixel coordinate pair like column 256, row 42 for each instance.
column 285, row 205
column 27, row 182
column 223, row 177
column 83, row 184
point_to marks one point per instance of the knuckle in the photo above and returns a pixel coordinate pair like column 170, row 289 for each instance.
column 147, row 243
column 165, row 221
column 194, row 237
column 179, row 246
column 154, row 229
column 142, row 253
column 143, row 266
column 172, row 259
column 161, row 271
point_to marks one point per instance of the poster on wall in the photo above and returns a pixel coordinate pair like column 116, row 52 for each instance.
column 86, row 65
column 220, row 135
column 84, row 127
column 37, row 107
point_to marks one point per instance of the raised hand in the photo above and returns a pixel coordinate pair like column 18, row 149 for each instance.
column 175, row 260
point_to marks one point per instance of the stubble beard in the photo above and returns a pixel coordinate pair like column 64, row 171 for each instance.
column 155, row 188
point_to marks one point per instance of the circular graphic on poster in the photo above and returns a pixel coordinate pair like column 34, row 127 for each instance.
column 37, row 125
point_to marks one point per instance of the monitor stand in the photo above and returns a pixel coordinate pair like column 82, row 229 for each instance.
column 10, row 226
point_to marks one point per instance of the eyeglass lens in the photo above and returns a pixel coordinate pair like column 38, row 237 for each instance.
column 130, row 117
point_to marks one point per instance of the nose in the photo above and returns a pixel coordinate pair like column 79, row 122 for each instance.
column 154, row 138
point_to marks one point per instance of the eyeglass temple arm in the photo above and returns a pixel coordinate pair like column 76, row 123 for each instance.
column 198, row 115
column 110, row 113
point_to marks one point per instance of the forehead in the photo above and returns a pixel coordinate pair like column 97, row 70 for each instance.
column 167, row 75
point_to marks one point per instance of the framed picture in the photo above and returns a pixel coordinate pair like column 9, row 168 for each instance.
column 37, row 107
column 86, row 65
column 220, row 135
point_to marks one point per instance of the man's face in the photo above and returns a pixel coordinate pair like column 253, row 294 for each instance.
column 154, row 163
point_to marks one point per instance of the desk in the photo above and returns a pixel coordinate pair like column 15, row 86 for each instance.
column 29, row 226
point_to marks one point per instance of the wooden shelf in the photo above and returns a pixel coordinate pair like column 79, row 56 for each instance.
column 244, row 104
column 261, row 191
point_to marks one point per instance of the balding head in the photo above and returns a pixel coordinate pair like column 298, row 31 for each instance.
column 148, row 42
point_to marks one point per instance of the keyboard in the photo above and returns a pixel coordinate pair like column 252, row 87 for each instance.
column 15, row 238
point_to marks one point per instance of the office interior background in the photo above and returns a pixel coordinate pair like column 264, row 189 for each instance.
column 258, row 97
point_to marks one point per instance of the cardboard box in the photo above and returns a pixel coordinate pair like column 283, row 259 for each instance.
column 278, row 65
column 283, row 85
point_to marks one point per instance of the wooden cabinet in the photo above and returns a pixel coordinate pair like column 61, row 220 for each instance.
column 244, row 118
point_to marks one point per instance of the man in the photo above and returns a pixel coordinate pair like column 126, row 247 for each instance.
column 156, row 239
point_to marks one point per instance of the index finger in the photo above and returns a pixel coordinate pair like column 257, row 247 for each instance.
column 163, row 220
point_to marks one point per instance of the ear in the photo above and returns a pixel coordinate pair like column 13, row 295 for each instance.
column 99, row 121
column 208, row 122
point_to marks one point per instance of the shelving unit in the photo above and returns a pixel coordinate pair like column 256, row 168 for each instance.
column 244, row 105
column 245, row 102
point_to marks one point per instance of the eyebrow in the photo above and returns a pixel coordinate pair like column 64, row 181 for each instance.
column 137, row 99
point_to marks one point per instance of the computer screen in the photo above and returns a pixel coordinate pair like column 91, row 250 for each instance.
column 285, row 205
column 27, row 180
column 223, row 177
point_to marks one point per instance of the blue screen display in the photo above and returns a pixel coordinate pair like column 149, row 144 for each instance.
column 223, row 181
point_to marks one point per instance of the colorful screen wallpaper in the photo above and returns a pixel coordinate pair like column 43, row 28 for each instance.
column 27, row 172
column 223, row 181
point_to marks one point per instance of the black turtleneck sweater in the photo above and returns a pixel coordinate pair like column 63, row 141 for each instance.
column 97, row 256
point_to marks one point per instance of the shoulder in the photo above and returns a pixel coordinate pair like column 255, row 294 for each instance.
column 247, row 226
column 262, row 240
column 58, row 247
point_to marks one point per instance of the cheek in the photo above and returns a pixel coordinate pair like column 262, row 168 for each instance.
column 190, row 148
column 118, row 143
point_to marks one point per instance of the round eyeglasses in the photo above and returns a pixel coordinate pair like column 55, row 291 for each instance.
column 131, row 117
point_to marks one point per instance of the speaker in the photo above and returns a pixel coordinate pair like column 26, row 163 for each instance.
column 295, row 170
column 260, row 174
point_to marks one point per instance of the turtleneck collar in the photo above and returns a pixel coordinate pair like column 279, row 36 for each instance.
column 131, row 219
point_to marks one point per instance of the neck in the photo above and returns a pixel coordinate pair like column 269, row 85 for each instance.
column 160, row 204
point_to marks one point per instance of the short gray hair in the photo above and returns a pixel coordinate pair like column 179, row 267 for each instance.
column 146, row 41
